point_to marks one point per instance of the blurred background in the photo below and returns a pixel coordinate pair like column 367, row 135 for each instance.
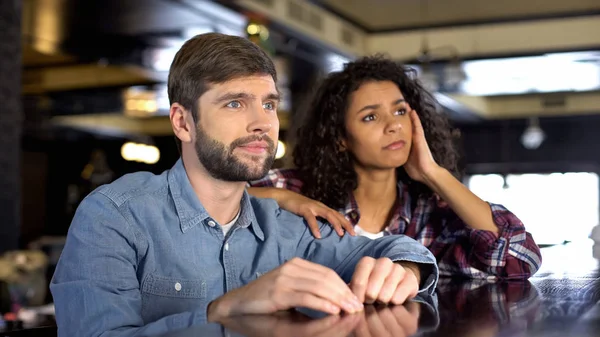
column 520, row 79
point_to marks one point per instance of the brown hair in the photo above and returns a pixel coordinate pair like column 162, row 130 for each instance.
column 209, row 59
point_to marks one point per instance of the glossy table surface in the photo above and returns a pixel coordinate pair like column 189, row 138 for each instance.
column 562, row 299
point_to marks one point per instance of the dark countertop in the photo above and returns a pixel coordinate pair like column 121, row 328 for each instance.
column 562, row 299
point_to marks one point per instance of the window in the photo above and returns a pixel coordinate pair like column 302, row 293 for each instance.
column 554, row 207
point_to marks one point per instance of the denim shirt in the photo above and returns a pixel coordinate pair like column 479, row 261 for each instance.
column 144, row 257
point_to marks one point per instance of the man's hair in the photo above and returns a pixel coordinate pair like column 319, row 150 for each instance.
column 213, row 58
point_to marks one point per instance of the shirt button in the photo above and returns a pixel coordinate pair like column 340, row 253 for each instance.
column 211, row 223
column 226, row 245
column 177, row 286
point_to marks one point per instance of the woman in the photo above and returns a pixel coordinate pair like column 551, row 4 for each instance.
column 374, row 148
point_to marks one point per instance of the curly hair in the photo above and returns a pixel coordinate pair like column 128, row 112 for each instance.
column 325, row 168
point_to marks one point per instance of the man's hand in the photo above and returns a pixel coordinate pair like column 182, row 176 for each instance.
column 383, row 281
column 296, row 283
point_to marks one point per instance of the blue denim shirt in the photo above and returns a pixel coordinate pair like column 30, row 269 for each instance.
column 143, row 256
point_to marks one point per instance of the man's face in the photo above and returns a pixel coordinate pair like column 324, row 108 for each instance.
column 238, row 128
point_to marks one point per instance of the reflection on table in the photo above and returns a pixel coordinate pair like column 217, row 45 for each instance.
column 414, row 318
column 562, row 299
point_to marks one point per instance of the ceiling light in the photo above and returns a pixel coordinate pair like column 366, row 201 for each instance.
column 533, row 136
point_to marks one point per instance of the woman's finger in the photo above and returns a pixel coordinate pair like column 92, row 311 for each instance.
column 332, row 219
column 346, row 225
column 313, row 225
column 417, row 126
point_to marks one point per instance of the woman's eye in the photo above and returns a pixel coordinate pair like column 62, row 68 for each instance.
column 234, row 105
column 401, row 112
column 369, row 118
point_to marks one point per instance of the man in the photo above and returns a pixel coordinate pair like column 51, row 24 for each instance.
column 147, row 254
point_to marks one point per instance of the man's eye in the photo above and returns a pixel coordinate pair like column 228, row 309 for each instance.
column 234, row 105
column 269, row 106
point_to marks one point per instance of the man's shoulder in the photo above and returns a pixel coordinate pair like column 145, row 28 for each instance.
column 264, row 207
column 268, row 213
column 131, row 186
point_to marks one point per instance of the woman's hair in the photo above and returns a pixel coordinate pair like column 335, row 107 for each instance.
column 326, row 169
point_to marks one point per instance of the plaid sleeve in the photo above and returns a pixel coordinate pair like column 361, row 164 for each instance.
column 512, row 254
column 280, row 178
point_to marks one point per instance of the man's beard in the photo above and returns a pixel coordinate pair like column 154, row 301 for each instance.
column 220, row 162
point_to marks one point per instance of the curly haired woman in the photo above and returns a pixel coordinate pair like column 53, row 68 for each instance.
column 374, row 148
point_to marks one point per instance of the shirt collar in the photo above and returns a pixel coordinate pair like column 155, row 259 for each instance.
column 190, row 210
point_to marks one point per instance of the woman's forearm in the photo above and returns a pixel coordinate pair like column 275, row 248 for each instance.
column 473, row 211
column 266, row 192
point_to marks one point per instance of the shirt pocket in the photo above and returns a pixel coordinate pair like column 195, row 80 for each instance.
column 163, row 296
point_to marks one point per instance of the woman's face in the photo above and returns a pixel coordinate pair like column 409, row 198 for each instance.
column 378, row 126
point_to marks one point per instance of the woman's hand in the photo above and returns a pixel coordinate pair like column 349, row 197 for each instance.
column 311, row 209
column 420, row 164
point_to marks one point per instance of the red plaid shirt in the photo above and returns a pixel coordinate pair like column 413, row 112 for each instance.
column 459, row 249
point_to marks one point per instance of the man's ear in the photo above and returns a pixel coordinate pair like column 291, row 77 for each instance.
column 181, row 122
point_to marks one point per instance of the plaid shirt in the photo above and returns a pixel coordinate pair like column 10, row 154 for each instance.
column 459, row 250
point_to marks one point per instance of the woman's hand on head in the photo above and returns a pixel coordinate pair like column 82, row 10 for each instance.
column 310, row 209
column 420, row 164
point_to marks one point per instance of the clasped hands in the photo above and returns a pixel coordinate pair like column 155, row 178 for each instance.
column 300, row 283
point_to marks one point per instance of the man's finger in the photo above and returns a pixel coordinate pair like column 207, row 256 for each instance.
column 391, row 283
column 407, row 288
column 322, row 280
column 324, row 290
column 360, row 279
column 310, row 301
column 380, row 272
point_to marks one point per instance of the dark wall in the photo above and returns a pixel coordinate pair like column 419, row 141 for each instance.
column 571, row 144
column 51, row 165
column 10, row 122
